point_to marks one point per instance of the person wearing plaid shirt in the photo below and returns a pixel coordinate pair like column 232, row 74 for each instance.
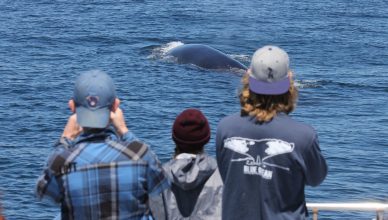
column 99, row 169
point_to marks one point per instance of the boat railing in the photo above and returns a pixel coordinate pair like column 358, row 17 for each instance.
column 378, row 208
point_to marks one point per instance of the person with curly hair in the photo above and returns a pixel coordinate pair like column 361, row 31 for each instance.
column 266, row 157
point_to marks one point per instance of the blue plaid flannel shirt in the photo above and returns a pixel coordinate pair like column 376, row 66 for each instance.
column 102, row 177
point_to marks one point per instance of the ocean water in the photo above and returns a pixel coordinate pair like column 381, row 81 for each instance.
column 338, row 51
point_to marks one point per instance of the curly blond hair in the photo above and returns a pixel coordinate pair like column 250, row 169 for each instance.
column 265, row 107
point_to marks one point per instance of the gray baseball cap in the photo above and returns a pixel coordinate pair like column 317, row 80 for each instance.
column 269, row 71
column 94, row 95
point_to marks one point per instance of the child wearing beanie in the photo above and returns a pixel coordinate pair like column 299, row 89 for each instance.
column 196, row 188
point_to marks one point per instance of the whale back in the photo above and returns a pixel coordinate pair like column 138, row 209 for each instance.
column 205, row 57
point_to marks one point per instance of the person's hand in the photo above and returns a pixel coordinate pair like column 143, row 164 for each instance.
column 118, row 121
column 72, row 128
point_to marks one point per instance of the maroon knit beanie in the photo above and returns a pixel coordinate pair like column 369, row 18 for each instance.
column 191, row 130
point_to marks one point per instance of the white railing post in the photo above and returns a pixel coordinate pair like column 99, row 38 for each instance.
column 379, row 215
column 315, row 214
column 379, row 208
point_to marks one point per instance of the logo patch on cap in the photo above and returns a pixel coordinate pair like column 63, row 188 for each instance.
column 92, row 101
column 270, row 74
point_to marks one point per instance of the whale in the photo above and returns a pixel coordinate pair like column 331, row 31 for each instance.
column 204, row 56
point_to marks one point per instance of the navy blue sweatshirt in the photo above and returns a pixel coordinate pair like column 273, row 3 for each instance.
column 265, row 167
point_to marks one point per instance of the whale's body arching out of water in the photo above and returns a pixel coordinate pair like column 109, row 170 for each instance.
column 205, row 57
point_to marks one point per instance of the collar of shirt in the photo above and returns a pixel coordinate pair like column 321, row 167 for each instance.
column 97, row 137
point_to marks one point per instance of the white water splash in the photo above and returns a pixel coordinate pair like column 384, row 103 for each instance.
column 241, row 57
column 301, row 84
column 161, row 51
column 169, row 46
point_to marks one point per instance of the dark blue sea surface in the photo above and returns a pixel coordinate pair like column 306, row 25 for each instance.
column 338, row 51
